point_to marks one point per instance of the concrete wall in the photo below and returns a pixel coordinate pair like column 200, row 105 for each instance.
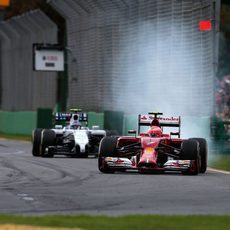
column 21, row 123
column 25, row 121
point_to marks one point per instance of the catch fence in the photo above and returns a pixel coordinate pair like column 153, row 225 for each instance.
column 22, row 88
column 123, row 55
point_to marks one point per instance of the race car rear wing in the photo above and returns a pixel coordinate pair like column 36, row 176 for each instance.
column 83, row 117
column 146, row 120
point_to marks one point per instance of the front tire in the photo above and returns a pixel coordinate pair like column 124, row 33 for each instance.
column 203, row 153
column 36, row 141
column 48, row 138
column 190, row 151
column 107, row 148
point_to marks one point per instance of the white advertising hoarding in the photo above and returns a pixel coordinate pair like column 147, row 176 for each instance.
column 48, row 59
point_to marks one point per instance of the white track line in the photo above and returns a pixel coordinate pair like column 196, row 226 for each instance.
column 219, row 171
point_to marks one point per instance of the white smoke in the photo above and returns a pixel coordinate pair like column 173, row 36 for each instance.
column 157, row 71
column 160, row 69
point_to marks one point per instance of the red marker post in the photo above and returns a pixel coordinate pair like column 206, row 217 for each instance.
column 205, row 25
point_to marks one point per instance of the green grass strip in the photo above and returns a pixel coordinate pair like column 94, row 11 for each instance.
column 221, row 162
column 16, row 137
column 147, row 222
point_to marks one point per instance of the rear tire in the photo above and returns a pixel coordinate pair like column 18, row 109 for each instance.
column 190, row 151
column 107, row 148
column 48, row 138
column 203, row 153
column 36, row 141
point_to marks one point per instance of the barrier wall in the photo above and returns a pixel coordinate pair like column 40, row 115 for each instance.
column 113, row 120
column 96, row 119
column 24, row 122
column 21, row 123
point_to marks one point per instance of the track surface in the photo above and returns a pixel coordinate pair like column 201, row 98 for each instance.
column 31, row 185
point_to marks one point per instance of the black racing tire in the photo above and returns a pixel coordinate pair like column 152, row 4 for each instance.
column 107, row 148
column 190, row 151
column 36, row 141
column 203, row 153
column 48, row 138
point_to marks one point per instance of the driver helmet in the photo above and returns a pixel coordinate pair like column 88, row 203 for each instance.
column 74, row 122
column 155, row 131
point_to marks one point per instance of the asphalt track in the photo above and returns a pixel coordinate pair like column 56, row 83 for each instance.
column 61, row 185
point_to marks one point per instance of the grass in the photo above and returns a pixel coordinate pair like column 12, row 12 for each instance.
column 16, row 137
column 147, row 222
column 220, row 162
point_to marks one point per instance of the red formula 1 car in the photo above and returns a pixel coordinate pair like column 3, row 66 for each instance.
column 153, row 151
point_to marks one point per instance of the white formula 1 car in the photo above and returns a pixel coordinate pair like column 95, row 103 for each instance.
column 73, row 139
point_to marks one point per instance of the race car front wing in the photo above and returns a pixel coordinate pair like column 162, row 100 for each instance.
column 126, row 163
